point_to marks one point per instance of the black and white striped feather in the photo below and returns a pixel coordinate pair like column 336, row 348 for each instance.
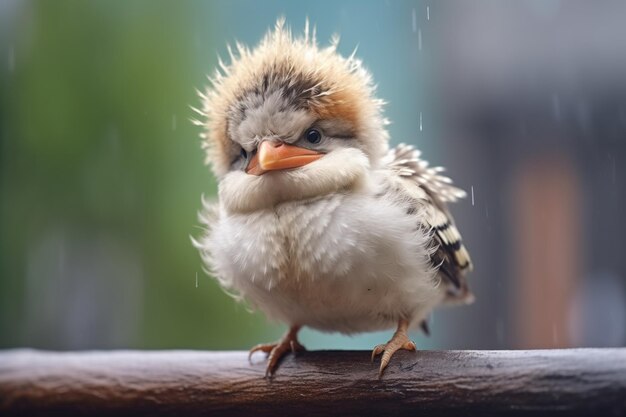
column 426, row 192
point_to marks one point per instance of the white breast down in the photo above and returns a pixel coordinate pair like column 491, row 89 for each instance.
column 346, row 263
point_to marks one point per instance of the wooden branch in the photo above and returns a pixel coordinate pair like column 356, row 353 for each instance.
column 324, row 383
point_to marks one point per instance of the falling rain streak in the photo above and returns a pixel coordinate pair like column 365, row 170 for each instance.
column 419, row 39
column 196, row 280
column 472, row 195
column 427, row 12
column 421, row 125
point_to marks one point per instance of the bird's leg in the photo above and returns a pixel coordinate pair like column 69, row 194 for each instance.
column 400, row 340
column 275, row 351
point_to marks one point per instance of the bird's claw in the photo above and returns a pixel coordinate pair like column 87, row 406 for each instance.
column 262, row 347
column 276, row 351
column 400, row 340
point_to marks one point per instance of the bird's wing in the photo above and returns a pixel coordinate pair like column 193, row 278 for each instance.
column 427, row 193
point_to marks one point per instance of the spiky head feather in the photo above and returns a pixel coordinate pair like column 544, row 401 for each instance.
column 308, row 76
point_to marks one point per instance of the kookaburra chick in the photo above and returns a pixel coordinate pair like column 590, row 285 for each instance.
column 318, row 223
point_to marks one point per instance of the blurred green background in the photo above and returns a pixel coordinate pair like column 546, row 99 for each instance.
column 101, row 171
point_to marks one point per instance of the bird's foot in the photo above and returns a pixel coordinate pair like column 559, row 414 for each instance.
column 400, row 340
column 288, row 343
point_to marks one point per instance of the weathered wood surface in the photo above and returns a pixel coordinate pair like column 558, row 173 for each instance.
column 323, row 383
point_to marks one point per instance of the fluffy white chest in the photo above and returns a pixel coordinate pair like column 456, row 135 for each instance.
column 347, row 263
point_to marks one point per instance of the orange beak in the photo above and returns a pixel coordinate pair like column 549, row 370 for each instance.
column 273, row 156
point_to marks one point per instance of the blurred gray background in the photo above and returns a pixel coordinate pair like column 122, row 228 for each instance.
column 101, row 171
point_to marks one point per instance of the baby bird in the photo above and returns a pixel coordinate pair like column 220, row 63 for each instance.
column 318, row 223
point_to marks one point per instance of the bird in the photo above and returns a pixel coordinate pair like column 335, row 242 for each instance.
column 318, row 222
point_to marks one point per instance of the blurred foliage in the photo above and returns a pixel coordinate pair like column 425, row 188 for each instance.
column 96, row 143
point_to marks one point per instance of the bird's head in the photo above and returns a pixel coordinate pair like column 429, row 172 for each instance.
column 290, row 120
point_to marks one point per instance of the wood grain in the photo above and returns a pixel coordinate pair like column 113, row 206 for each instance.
column 322, row 383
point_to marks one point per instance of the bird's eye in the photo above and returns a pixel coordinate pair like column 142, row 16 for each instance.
column 244, row 154
column 313, row 136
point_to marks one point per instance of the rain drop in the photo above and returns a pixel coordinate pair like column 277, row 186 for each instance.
column 419, row 39
column 427, row 12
